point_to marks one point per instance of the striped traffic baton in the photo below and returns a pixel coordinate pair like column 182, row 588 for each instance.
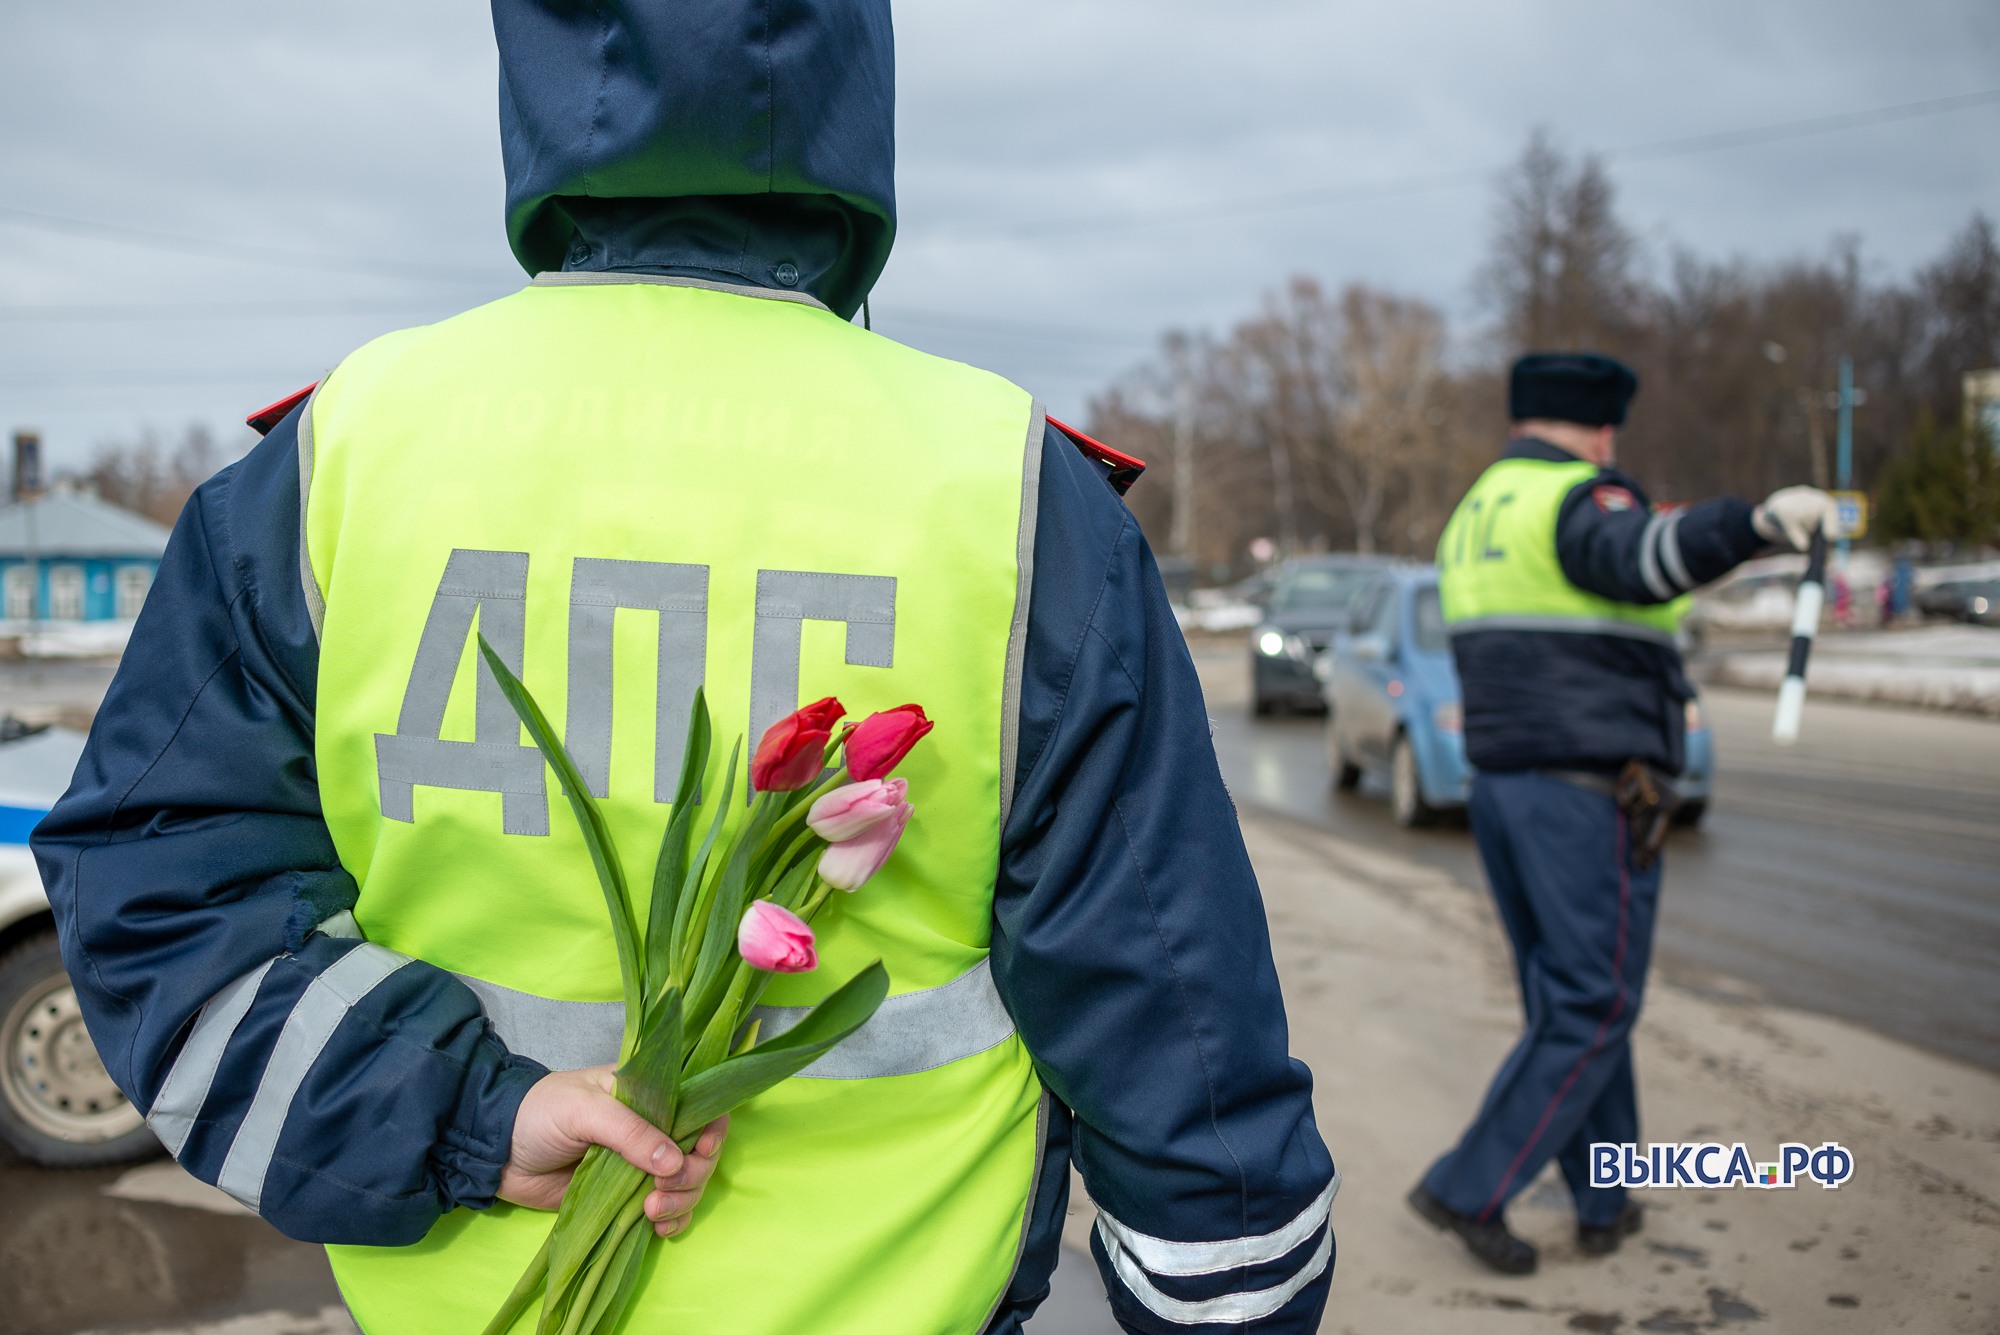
column 1805, row 622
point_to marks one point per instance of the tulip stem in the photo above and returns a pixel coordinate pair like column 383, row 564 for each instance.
column 815, row 897
column 524, row 1290
column 784, row 825
column 584, row 1310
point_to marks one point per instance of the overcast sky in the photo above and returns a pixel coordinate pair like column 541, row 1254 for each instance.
column 1046, row 150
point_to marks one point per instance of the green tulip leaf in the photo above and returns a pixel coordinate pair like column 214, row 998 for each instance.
column 671, row 869
column 696, row 887
column 709, row 1094
column 596, row 836
column 649, row 1079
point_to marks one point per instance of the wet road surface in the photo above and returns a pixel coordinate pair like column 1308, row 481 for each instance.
column 147, row 1249
column 1856, row 874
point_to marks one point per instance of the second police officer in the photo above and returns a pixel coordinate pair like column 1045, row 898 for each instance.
column 1562, row 588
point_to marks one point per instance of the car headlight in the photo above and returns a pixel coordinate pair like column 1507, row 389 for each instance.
column 1695, row 720
column 1449, row 717
column 1270, row 644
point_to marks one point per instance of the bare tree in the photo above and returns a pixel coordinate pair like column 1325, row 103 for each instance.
column 1560, row 270
column 1330, row 423
column 1393, row 420
column 149, row 479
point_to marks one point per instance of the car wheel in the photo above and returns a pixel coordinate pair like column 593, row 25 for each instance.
column 1262, row 705
column 58, row 1106
column 1406, row 792
column 1689, row 814
column 1346, row 774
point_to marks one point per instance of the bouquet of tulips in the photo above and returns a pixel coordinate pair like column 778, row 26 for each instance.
column 727, row 912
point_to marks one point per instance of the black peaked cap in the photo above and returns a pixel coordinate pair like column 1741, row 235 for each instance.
column 1579, row 387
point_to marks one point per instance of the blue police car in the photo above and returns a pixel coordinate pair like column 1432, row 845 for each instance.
column 1393, row 706
column 58, row 1106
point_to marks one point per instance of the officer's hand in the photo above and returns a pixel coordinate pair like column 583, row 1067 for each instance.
column 1789, row 516
column 566, row 1112
column 675, row 1195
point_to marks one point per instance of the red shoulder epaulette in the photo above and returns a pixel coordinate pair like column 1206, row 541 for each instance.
column 1124, row 468
column 271, row 414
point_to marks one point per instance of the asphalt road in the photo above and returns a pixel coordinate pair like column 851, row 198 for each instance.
column 1856, row 874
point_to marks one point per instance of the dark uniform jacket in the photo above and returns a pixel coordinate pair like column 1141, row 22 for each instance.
column 1570, row 700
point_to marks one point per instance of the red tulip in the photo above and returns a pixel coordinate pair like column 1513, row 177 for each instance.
column 880, row 741
column 789, row 757
column 775, row 939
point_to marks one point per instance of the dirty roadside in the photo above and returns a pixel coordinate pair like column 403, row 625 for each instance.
column 1403, row 1002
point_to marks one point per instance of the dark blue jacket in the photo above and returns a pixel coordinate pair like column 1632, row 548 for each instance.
column 1541, row 699
column 189, row 863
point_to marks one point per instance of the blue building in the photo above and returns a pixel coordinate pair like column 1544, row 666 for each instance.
column 65, row 556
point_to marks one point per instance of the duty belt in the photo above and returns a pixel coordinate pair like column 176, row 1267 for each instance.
column 1644, row 792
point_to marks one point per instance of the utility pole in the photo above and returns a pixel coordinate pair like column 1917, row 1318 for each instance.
column 28, row 494
column 1844, row 447
column 1181, row 538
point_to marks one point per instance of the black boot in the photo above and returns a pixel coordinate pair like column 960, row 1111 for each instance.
column 1603, row 1239
column 1491, row 1242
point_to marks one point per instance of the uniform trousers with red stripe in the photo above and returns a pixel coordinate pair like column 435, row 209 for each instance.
column 1580, row 918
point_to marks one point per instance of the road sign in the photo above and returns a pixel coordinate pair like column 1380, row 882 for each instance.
column 1853, row 521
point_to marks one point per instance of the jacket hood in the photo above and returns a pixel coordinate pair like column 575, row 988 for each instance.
column 754, row 139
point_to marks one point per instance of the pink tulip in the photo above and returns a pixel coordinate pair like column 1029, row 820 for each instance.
column 848, row 864
column 775, row 939
column 852, row 808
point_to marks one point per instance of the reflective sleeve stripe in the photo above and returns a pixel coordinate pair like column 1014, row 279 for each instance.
column 342, row 925
column 317, row 1013
column 173, row 1113
column 1649, row 559
column 916, row 1031
column 1670, row 552
column 1226, row 1309
column 1561, row 625
column 1163, row 1257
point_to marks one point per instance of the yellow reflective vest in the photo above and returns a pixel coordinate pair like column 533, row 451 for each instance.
column 631, row 485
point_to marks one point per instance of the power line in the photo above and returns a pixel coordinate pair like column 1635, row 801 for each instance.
column 150, row 378
column 231, row 310
column 284, row 257
column 1326, row 196
column 1028, row 329
column 214, row 310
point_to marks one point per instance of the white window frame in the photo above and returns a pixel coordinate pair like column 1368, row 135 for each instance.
column 67, row 582
column 19, row 592
column 130, row 584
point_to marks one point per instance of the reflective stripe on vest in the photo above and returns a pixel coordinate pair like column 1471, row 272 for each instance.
column 631, row 486
column 912, row 1032
column 1498, row 568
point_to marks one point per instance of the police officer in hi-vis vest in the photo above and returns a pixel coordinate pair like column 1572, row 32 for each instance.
column 330, row 934
column 1562, row 588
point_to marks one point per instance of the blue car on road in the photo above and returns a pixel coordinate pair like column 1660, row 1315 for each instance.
column 1393, row 705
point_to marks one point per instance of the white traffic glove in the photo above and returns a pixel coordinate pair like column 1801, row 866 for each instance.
column 1789, row 515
